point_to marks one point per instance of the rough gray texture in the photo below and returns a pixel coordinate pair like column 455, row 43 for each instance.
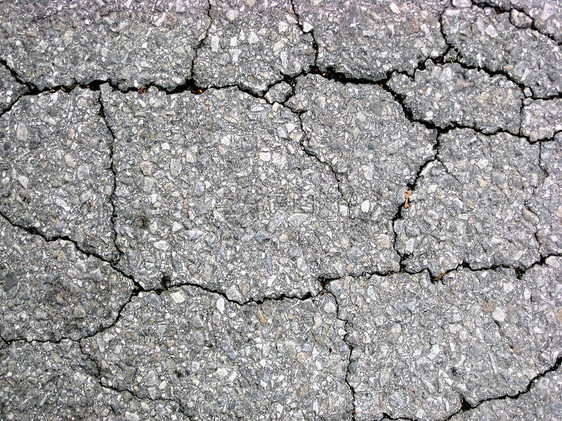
column 543, row 402
column 50, row 290
column 541, row 120
column 487, row 39
column 55, row 168
column 547, row 200
column 132, row 43
column 419, row 347
column 470, row 205
column 364, row 136
column 252, row 43
column 370, row 38
column 215, row 189
column 544, row 15
column 280, row 210
column 57, row 381
column 10, row 89
column 279, row 360
column 450, row 95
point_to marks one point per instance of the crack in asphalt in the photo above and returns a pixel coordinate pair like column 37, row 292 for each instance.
column 461, row 60
column 501, row 9
column 99, row 379
column 190, row 85
column 112, row 146
column 466, row 406
column 311, row 32
column 350, row 347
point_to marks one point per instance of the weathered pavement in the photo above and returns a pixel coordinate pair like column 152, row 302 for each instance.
column 292, row 209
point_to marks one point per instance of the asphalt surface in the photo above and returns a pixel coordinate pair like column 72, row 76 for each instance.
column 281, row 210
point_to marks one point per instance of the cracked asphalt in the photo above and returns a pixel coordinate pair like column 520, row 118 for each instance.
column 280, row 210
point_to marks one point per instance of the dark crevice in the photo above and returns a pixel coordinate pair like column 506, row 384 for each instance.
column 311, row 32
column 464, row 63
column 97, row 375
column 112, row 147
column 503, row 8
column 324, row 282
column 193, row 84
column 30, row 86
column 519, row 271
column 338, row 177
column 167, row 285
column 53, row 238
column 386, row 416
column 467, row 406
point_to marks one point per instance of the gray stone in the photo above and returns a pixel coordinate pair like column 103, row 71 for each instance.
column 281, row 359
column 486, row 39
column 50, row 290
column 132, row 43
column 252, row 44
column 419, row 347
column 55, row 168
column 451, row 95
column 57, row 381
column 542, row 119
column 279, row 92
column 471, row 205
column 368, row 39
column 280, row 209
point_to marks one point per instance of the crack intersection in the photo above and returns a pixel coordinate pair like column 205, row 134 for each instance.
column 190, row 85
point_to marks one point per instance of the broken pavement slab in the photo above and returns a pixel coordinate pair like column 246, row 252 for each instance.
column 68, row 42
column 488, row 40
column 282, row 209
column 252, row 44
column 56, row 170
column 214, row 189
column 52, row 290
column 220, row 360
column 470, row 206
column 419, row 349
column 544, row 16
column 365, row 39
column 58, row 379
column 449, row 95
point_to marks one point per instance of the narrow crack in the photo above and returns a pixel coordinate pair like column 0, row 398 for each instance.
column 463, row 62
column 466, row 406
column 54, row 238
column 324, row 282
column 99, row 379
column 519, row 271
column 338, row 177
column 504, row 8
column 200, row 44
column 386, row 416
column 112, row 147
column 30, row 86
column 300, row 23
